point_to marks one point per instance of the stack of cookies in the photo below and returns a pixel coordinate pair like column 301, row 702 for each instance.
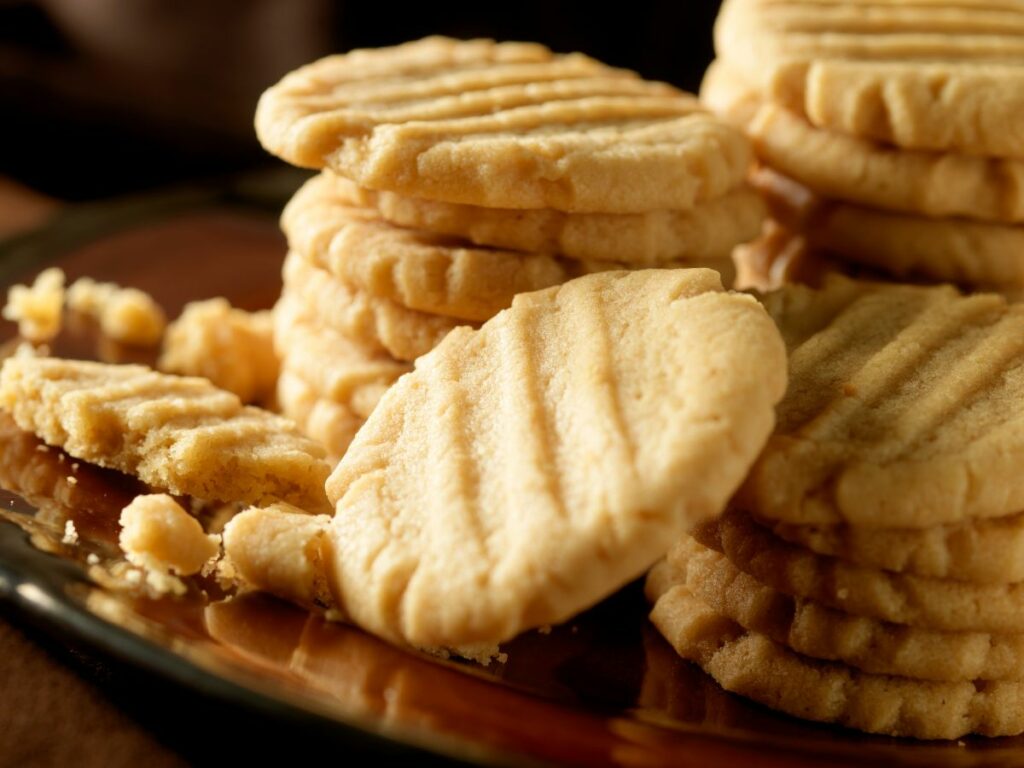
column 456, row 174
column 892, row 130
column 870, row 572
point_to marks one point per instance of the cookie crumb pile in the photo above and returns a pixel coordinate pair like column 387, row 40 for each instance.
column 890, row 132
column 457, row 174
column 869, row 571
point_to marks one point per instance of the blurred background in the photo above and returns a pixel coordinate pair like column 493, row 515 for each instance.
column 112, row 97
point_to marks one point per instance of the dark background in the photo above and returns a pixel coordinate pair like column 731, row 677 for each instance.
column 109, row 97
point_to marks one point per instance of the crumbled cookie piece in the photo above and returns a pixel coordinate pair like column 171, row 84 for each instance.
column 127, row 315
column 176, row 433
column 232, row 348
column 157, row 534
column 37, row 308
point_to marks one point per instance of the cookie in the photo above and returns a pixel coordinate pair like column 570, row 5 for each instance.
column 814, row 630
column 707, row 232
column 476, row 123
column 416, row 269
column 901, row 410
column 903, row 245
column 378, row 325
column 899, row 598
column 331, row 424
column 232, row 348
column 180, row 434
column 608, row 408
column 751, row 665
column 336, row 368
column 868, row 173
column 983, row 551
column 914, row 75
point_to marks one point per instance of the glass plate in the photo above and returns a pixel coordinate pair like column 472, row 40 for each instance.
column 604, row 689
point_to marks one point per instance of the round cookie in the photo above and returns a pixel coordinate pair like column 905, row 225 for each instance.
column 617, row 409
column 902, row 409
column 502, row 125
column 989, row 551
column 904, row 245
column 842, row 167
column 419, row 270
column 909, row 74
column 377, row 324
column 707, row 232
column 899, row 598
column 751, row 665
column 814, row 630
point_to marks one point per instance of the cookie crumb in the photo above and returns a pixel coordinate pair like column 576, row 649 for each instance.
column 126, row 315
column 92, row 559
column 70, row 533
column 37, row 308
column 232, row 348
column 158, row 535
column 843, row 593
column 72, row 480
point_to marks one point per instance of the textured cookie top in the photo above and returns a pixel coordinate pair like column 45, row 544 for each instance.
column 180, row 434
column 505, row 125
column 903, row 410
column 941, row 76
column 524, row 471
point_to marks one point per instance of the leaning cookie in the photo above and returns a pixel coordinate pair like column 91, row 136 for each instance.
column 618, row 409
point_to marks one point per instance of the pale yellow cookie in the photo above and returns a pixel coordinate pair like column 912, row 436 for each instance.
column 751, row 665
column 337, row 368
column 330, row 423
column 842, row 167
column 967, row 252
column 902, row 409
column 378, row 325
column 983, row 551
column 180, row 434
column 232, row 348
column 416, row 269
column 900, row 598
column 502, row 125
column 526, row 470
column 814, row 630
column 946, row 76
column 707, row 232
